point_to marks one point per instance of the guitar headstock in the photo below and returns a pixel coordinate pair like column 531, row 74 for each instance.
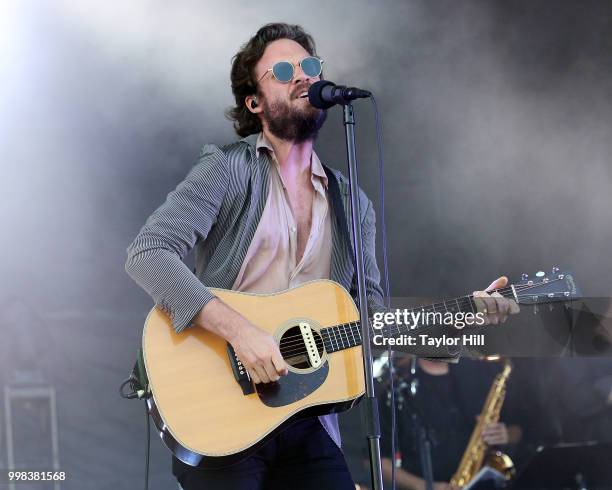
column 546, row 287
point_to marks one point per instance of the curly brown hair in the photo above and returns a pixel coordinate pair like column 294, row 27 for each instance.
column 243, row 66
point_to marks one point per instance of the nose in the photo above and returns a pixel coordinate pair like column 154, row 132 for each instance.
column 299, row 76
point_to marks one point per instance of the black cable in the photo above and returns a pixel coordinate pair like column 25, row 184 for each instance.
column 387, row 287
column 132, row 382
column 148, row 446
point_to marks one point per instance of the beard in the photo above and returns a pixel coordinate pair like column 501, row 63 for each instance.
column 292, row 123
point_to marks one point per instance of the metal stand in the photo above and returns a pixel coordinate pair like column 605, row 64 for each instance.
column 420, row 430
column 425, row 450
column 370, row 402
column 29, row 389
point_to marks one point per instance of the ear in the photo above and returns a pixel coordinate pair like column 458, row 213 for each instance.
column 248, row 102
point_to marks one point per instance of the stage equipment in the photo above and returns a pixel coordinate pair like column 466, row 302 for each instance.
column 576, row 466
column 30, row 417
column 370, row 408
column 421, row 431
column 325, row 94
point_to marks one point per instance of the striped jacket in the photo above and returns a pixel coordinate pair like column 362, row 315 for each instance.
column 216, row 209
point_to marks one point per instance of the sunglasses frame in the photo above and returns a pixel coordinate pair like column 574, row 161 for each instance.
column 293, row 65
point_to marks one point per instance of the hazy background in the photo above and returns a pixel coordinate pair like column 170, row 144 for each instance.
column 497, row 124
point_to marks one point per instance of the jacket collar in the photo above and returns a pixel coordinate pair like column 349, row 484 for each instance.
column 251, row 140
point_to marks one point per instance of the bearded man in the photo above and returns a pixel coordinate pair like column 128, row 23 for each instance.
column 259, row 213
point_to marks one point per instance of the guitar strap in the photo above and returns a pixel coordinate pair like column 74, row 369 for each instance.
column 339, row 212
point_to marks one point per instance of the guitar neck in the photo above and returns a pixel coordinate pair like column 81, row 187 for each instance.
column 347, row 335
column 558, row 286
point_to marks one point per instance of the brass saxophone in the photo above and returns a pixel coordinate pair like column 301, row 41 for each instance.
column 476, row 450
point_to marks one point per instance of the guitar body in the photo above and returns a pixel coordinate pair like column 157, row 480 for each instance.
column 209, row 413
column 200, row 409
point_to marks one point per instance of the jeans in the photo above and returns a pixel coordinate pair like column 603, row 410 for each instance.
column 302, row 456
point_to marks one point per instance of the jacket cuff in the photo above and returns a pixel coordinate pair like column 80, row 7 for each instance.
column 184, row 310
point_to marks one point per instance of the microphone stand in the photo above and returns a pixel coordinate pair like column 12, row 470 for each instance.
column 370, row 408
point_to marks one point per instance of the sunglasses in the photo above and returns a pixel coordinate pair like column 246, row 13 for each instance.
column 284, row 71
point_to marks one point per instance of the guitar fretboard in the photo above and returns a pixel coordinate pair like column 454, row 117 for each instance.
column 346, row 335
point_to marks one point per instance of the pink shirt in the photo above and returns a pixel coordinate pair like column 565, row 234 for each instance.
column 270, row 264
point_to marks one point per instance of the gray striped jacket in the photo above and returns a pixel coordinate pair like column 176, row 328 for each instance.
column 216, row 209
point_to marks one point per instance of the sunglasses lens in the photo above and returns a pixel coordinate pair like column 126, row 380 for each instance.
column 311, row 66
column 283, row 71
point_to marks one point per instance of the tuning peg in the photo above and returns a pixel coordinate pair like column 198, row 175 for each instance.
column 540, row 274
column 524, row 276
column 555, row 270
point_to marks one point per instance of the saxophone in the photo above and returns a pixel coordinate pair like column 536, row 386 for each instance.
column 476, row 450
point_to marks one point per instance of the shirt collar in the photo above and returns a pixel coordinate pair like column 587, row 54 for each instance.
column 316, row 166
column 262, row 142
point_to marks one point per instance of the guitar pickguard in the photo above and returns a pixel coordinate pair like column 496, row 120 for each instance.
column 292, row 387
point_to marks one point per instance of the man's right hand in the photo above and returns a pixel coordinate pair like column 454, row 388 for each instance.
column 256, row 348
column 259, row 354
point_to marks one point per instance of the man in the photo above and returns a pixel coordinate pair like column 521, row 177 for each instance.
column 260, row 214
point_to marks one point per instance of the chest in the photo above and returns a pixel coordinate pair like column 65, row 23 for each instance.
column 300, row 198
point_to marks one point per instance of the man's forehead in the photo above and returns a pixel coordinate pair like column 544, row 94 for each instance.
column 283, row 50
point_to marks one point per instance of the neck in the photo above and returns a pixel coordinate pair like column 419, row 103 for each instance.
column 292, row 157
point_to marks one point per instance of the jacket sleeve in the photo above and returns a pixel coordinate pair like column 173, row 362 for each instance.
column 155, row 257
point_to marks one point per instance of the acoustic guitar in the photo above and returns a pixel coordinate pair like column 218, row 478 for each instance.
column 210, row 414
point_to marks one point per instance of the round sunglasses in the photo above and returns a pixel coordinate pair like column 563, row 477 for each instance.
column 284, row 71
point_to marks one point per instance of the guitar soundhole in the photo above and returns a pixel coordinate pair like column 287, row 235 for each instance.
column 293, row 349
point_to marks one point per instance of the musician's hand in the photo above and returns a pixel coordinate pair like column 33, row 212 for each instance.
column 259, row 354
column 495, row 434
column 495, row 307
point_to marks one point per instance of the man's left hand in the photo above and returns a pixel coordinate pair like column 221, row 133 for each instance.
column 495, row 434
column 495, row 307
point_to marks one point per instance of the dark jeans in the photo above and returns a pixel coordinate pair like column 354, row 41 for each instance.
column 301, row 457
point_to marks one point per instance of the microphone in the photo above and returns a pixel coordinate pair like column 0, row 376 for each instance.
column 325, row 94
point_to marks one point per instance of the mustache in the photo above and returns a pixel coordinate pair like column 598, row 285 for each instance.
column 301, row 88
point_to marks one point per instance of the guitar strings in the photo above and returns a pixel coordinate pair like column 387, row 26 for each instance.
column 467, row 298
column 295, row 341
column 463, row 299
column 328, row 344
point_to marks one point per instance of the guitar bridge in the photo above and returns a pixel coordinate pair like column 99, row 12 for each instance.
column 240, row 373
